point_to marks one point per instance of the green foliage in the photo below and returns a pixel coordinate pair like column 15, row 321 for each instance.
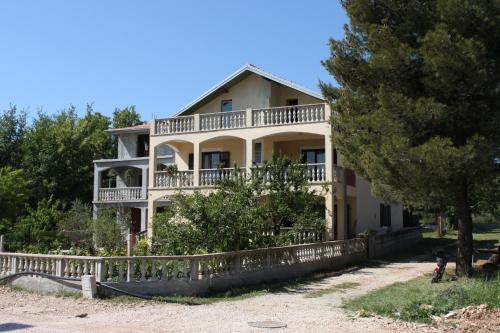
column 59, row 151
column 14, row 194
column 142, row 248
column 417, row 111
column 242, row 213
column 12, row 129
column 76, row 225
column 407, row 301
column 37, row 231
column 109, row 229
column 126, row 117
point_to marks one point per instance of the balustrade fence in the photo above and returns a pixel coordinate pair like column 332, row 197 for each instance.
column 286, row 115
column 168, row 268
column 121, row 194
column 209, row 177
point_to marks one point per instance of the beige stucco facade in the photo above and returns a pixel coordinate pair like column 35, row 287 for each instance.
column 260, row 114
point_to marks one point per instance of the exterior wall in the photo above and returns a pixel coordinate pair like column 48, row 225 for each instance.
column 293, row 149
column 368, row 212
column 252, row 92
column 127, row 146
column 235, row 147
column 280, row 94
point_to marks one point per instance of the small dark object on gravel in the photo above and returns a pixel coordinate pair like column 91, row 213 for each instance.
column 81, row 315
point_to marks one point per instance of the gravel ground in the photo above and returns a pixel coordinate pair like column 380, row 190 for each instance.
column 26, row 312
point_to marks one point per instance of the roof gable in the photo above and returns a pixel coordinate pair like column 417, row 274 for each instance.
column 238, row 75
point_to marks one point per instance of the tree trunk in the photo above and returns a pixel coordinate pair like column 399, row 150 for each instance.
column 464, row 243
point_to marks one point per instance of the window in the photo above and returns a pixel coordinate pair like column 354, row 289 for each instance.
column 292, row 102
column 257, row 152
column 313, row 156
column 385, row 215
column 227, row 105
column 215, row 160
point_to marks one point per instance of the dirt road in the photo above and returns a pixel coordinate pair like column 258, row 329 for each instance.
column 25, row 312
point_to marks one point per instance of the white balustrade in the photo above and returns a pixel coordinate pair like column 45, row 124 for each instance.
column 176, row 179
column 120, row 194
column 283, row 115
column 185, row 268
column 222, row 120
column 210, row 177
column 174, row 125
column 287, row 115
column 315, row 173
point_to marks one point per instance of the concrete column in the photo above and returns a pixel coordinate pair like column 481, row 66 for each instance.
column 144, row 175
column 2, row 242
column 328, row 158
column 144, row 218
column 248, row 117
column 329, row 214
column 249, row 156
column 97, row 181
column 196, row 164
column 152, row 166
column 151, row 212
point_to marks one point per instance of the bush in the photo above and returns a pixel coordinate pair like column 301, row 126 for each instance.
column 243, row 213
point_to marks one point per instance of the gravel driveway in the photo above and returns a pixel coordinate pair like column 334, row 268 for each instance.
column 25, row 312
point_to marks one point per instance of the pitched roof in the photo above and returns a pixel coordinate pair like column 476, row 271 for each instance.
column 248, row 68
column 132, row 129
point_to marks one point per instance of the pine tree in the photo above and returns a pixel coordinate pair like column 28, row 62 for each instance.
column 417, row 110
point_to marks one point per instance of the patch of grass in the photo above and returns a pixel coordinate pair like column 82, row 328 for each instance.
column 417, row 300
column 69, row 294
column 342, row 287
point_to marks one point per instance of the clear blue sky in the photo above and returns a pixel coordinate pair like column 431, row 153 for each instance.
column 157, row 55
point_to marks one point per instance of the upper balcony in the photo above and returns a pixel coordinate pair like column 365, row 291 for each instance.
column 273, row 116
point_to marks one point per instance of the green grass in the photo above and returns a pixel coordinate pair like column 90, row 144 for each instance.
column 342, row 287
column 69, row 294
column 417, row 300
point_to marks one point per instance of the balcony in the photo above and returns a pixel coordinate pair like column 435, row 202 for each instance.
column 316, row 174
column 121, row 194
column 275, row 116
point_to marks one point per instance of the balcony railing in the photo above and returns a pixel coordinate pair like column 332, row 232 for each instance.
column 174, row 125
column 222, row 120
column 210, row 177
column 177, row 179
column 287, row 115
column 315, row 173
column 121, row 194
column 275, row 116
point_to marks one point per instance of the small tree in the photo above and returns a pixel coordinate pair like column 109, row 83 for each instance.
column 109, row 230
column 37, row 231
column 126, row 117
column 243, row 213
column 76, row 225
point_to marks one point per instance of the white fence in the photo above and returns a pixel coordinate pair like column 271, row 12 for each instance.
column 189, row 268
column 120, row 194
column 273, row 116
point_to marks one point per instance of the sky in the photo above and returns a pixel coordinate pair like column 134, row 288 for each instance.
column 157, row 55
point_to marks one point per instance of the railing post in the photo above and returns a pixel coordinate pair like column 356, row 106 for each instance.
column 100, row 273
column 59, row 267
column 236, row 264
column 194, row 270
column 248, row 117
column 13, row 265
column 197, row 122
